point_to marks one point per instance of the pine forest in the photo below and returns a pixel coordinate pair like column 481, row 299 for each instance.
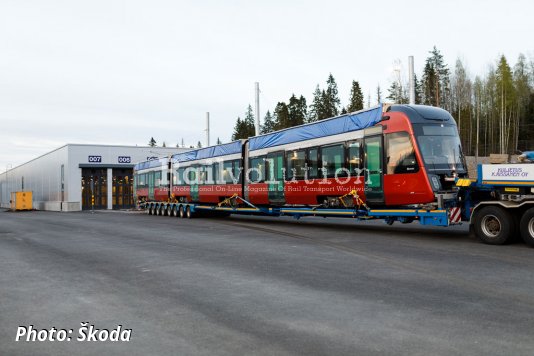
column 494, row 110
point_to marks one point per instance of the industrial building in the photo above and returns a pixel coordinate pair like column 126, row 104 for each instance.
column 68, row 178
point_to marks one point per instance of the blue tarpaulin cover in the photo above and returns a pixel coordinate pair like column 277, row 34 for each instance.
column 328, row 127
column 209, row 152
column 151, row 164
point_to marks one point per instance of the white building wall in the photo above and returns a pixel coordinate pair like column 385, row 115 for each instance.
column 42, row 175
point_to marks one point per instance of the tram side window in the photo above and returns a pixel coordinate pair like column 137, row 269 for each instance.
column 150, row 179
column 237, row 171
column 354, row 157
column 141, row 180
column 201, row 174
column 216, row 172
column 296, row 164
column 400, row 154
column 257, row 169
column 145, row 180
column 209, row 174
column 179, row 178
column 157, row 178
column 163, row 179
column 313, row 162
column 333, row 158
column 192, row 175
column 227, row 172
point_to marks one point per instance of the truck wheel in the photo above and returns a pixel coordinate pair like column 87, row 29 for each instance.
column 526, row 227
column 188, row 213
column 181, row 212
column 494, row 225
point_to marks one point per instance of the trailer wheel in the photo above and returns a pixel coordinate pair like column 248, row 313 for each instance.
column 149, row 209
column 494, row 225
column 181, row 212
column 526, row 227
column 188, row 213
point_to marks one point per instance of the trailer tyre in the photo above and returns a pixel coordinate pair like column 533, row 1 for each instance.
column 526, row 227
column 494, row 225
column 188, row 213
column 181, row 212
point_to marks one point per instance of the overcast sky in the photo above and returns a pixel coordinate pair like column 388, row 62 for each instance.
column 120, row 72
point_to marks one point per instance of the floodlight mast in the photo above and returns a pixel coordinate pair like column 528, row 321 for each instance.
column 411, row 78
column 257, row 125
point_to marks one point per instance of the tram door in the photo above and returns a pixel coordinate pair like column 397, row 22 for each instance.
column 373, row 168
column 275, row 177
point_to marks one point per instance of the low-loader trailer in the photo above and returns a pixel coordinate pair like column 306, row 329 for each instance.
column 498, row 205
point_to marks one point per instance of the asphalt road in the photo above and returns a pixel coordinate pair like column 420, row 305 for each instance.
column 260, row 286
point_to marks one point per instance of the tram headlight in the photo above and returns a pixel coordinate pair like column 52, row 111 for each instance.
column 434, row 180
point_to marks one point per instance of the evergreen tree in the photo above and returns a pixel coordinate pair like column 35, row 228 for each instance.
column 478, row 88
column 244, row 128
column 268, row 123
column 461, row 96
column 163, row 144
column 302, row 109
column 317, row 107
column 327, row 110
column 331, row 99
column 297, row 111
column 396, row 93
column 281, row 116
column 378, row 94
column 436, row 86
column 356, row 98
column 152, row 142
column 524, row 90
column 250, row 123
column 219, row 142
column 199, row 144
column 505, row 101
column 239, row 132
column 429, row 84
column 343, row 111
column 418, row 90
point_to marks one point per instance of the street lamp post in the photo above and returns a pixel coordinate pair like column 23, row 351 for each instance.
column 8, row 193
